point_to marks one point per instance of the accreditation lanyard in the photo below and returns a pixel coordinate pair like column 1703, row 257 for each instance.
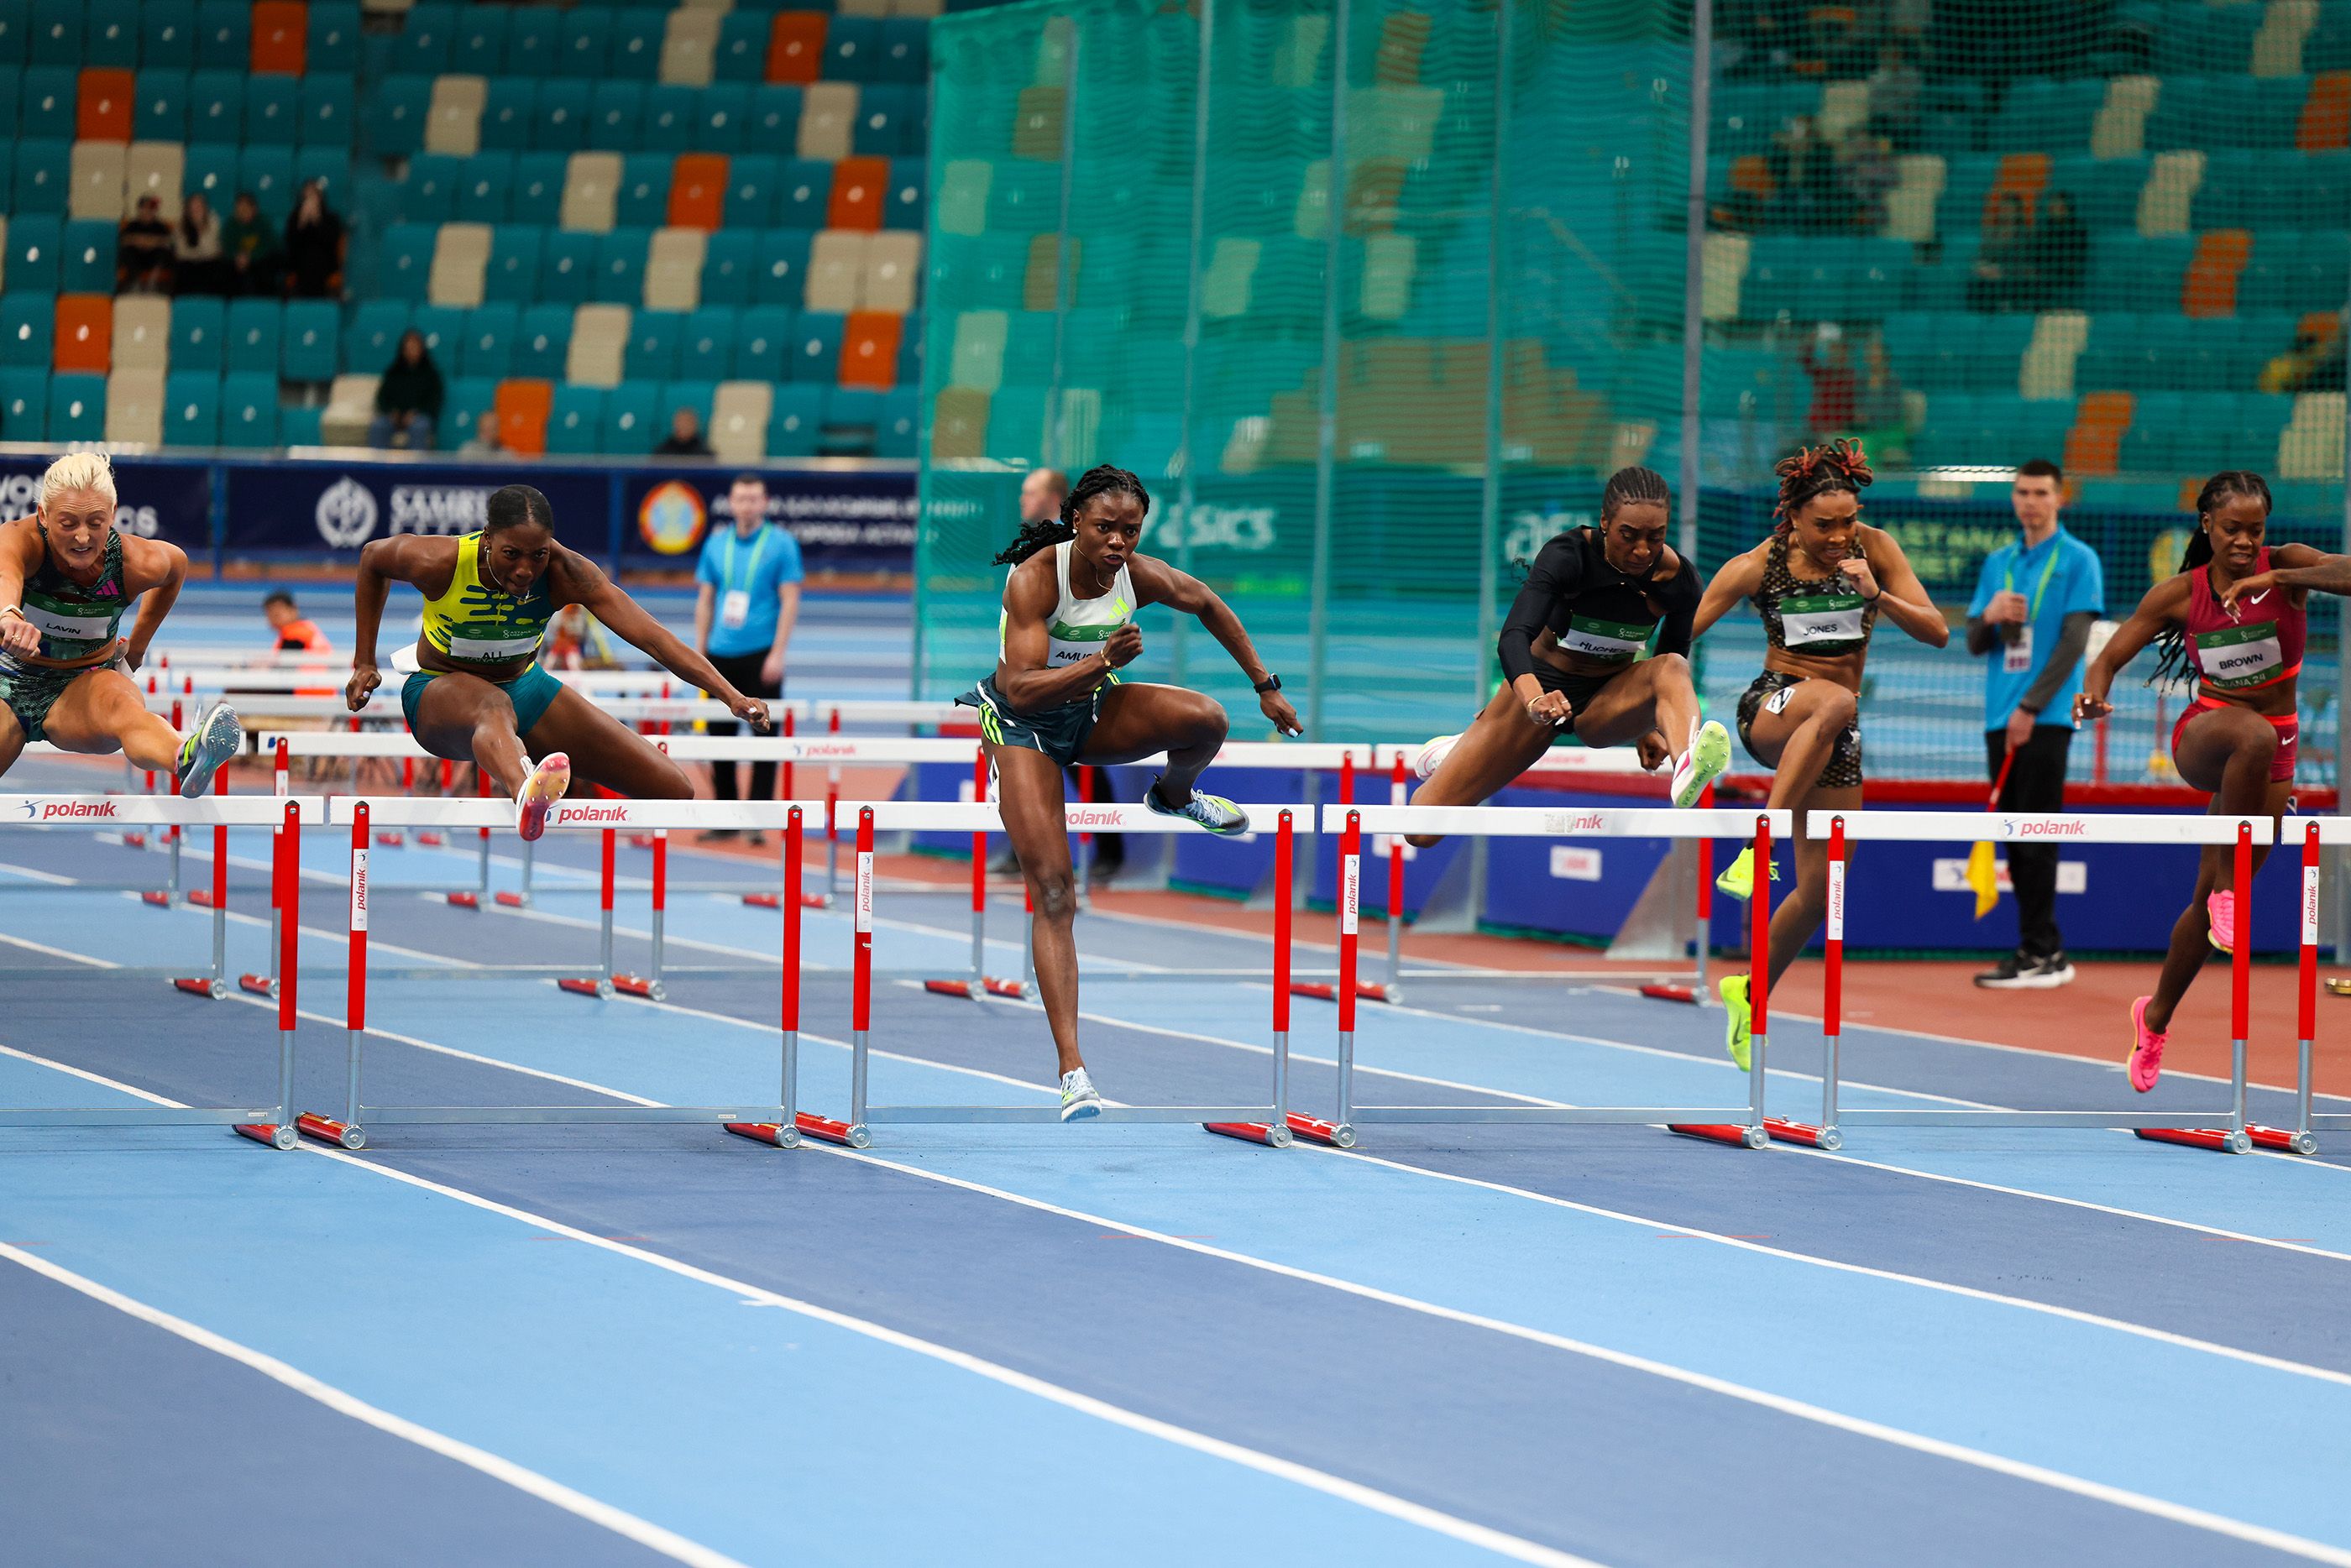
column 2016, row 658
column 736, row 607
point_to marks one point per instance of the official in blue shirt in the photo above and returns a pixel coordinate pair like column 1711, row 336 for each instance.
column 2030, row 622
column 749, row 596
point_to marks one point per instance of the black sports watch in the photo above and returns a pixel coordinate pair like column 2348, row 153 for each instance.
column 1270, row 683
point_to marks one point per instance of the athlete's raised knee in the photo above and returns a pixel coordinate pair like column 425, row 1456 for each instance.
column 1056, row 895
column 1836, row 706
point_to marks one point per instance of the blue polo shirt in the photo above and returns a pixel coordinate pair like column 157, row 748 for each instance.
column 756, row 568
column 2059, row 577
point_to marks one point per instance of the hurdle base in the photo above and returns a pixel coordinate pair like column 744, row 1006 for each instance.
column 274, row 1133
column 776, row 901
column 1311, row 1129
column 510, row 900
column 989, row 985
column 463, row 900
column 431, row 839
column 2281, row 1140
column 804, row 1123
column 202, row 898
column 156, row 897
column 1671, row 993
column 390, row 838
column 589, row 985
column 211, row 990
column 1783, row 1130
column 134, row 841
column 2217, row 1140
column 638, row 985
column 640, row 841
column 1328, row 991
column 1730, row 1133
column 327, row 1129
column 258, row 984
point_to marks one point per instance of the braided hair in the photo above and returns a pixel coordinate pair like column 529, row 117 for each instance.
column 1634, row 487
column 512, row 505
column 1839, row 467
column 2171, row 643
column 1103, row 480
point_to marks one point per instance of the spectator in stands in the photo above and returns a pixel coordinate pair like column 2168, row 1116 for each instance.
column 314, row 246
column 250, row 247
column 483, row 442
column 1866, row 165
column 2002, row 279
column 748, row 600
column 1806, row 192
column 1828, row 361
column 290, row 629
column 197, row 250
column 576, row 641
column 2036, row 600
column 2061, row 255
column 1896, row 91
column 684, row 438
column 408, row 398
column 2315, row 363
column 142, row 250
column 1880, row 408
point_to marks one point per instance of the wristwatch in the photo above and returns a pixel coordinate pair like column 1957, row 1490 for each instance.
column 1270, row 683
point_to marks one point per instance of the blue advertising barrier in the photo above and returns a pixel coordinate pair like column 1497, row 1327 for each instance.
column 846, row 519
column 156, row 499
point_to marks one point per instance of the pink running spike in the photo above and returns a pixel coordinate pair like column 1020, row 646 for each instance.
column 2147, row 1048
column 2221, row 908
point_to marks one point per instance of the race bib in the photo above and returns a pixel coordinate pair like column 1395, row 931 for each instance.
column 2239, row 656
column 734, row 608
column 1614, row 642
column 1821, row 623
column 2016, row 658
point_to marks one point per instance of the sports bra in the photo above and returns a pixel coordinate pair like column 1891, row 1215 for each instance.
column 1820, row 617
column 474, row 623
column 75, row 622
column 2258, row 646
column 1079, row 626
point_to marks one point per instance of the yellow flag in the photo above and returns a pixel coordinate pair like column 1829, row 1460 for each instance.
column 1983, row 876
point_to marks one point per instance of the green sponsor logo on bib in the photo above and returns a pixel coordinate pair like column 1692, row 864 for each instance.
column 1823, row 623
column 1617, row 642
column 2240, row 655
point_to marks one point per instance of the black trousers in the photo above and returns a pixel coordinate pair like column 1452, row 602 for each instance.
column 743, row 670
column 2037, row 782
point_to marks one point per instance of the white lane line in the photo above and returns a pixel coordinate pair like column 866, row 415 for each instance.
column 620, row 1521
column 1369, row 1497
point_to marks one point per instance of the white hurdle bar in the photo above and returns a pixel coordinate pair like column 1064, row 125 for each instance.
column 1268, row 1123
column 273, row 1126
column 2227, row 1131
column 608, row 817
column 1722, row 1125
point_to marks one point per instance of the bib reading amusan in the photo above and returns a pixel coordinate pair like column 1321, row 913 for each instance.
column 1079, row 626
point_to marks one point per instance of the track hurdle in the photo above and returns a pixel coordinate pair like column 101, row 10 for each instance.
column 271, row 1125
column 2224, row 1131
column 1742, row 1125
column 978, row 816
column 349, row 1130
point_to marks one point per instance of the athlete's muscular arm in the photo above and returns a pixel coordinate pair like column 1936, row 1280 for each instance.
column 424, row 563
column 1678, row 595
column 577, row 580
column 2294, row 567
column 20, row 557
column 1156, row 582
column 1883, row 576
column 1738, row 580
column 155, row 568
column 2165, row 607
column 1022, row 673
column 1556, row 574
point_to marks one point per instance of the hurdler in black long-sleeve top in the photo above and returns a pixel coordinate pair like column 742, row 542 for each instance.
column 1594, row 610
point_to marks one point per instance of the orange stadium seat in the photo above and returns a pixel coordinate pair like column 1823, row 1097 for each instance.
column 279, row 29
column 796, row 47
column 2325, row 114
column 859, row 186
column 869, row 349
column 85, row 333
column 2094, row 444
column 522, row 406
column 2023, row 175
column 2209, row 288
column 103, row 107
column 697, row 191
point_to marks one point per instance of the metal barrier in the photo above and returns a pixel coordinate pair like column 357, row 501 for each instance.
column 2226, row 1130
column 927, row 816
column 270, row 1125
column 1745, row 1125
column 350, row 1129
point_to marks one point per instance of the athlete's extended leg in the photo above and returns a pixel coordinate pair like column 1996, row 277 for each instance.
column 604, row 751
column 1797, row 741
column 1659, row 695
column 2227, row 753
column 1137, row 720
column 1503, row 743
column 12, row 740
column 468, row 720
column 101, row 712
column 2191, row 946
column 1029, row 798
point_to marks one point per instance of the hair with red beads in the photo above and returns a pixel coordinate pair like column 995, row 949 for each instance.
column 1837, row 466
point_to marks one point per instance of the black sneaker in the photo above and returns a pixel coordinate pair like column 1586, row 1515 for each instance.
column 2024, row 972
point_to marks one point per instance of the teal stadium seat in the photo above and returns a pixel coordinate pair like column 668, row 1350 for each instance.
column 651, row 353
column 14, row 24
column 560, row 115
column 269, row 173
column 537, row 196
column 35, row 252
column 466, row 399
column 885, row 120
column 905, row 48
column 2194, row 38
column 2106, row 191
column 509, row 113
column 643, row 200
column 742, row 53
column 78, row 408
column 586, row 43
column 534, row 40
column 297, row 424
column 2046, row 114
column 86, row 257
column 328, row 113
column 636, row 42
column 669, row 120
column 254, row 328
column 2259, row 418
column 161, row 112
column 372, row 336
column 705, row 347
column 273, row 110
column 56, row 39
column 763, row 340
column 901, row 425
column 332, row 167
column 45, row 103
column 904, row 208
column 513, row 271
column 12, row 86
column 44, row 174
column 443, row 326
column 567, row 271
column 426, row 36
column 167, row 35
column 429, row 194
column 111, row 33
column 210, row 170
column 478, row 45
column 542, row 341
column 483, row 182
column 814, row 353
column 23, row 402
column 852, row 49
column 331, row 46
column 727, row 261
column 722, row 119
column 406, row 260
column 224, row 34
column 199, row 333
column 751, row 181
column 910, row 351
column 488, row 347
column 631, row 426
column 396, row 111
column 615, row 111
column 28, row 323
column 308, row 346
column 794, row 420
column 575, row 421
column 775, row 113
column 621, row 266
column 782, row 274
column 853, row 420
